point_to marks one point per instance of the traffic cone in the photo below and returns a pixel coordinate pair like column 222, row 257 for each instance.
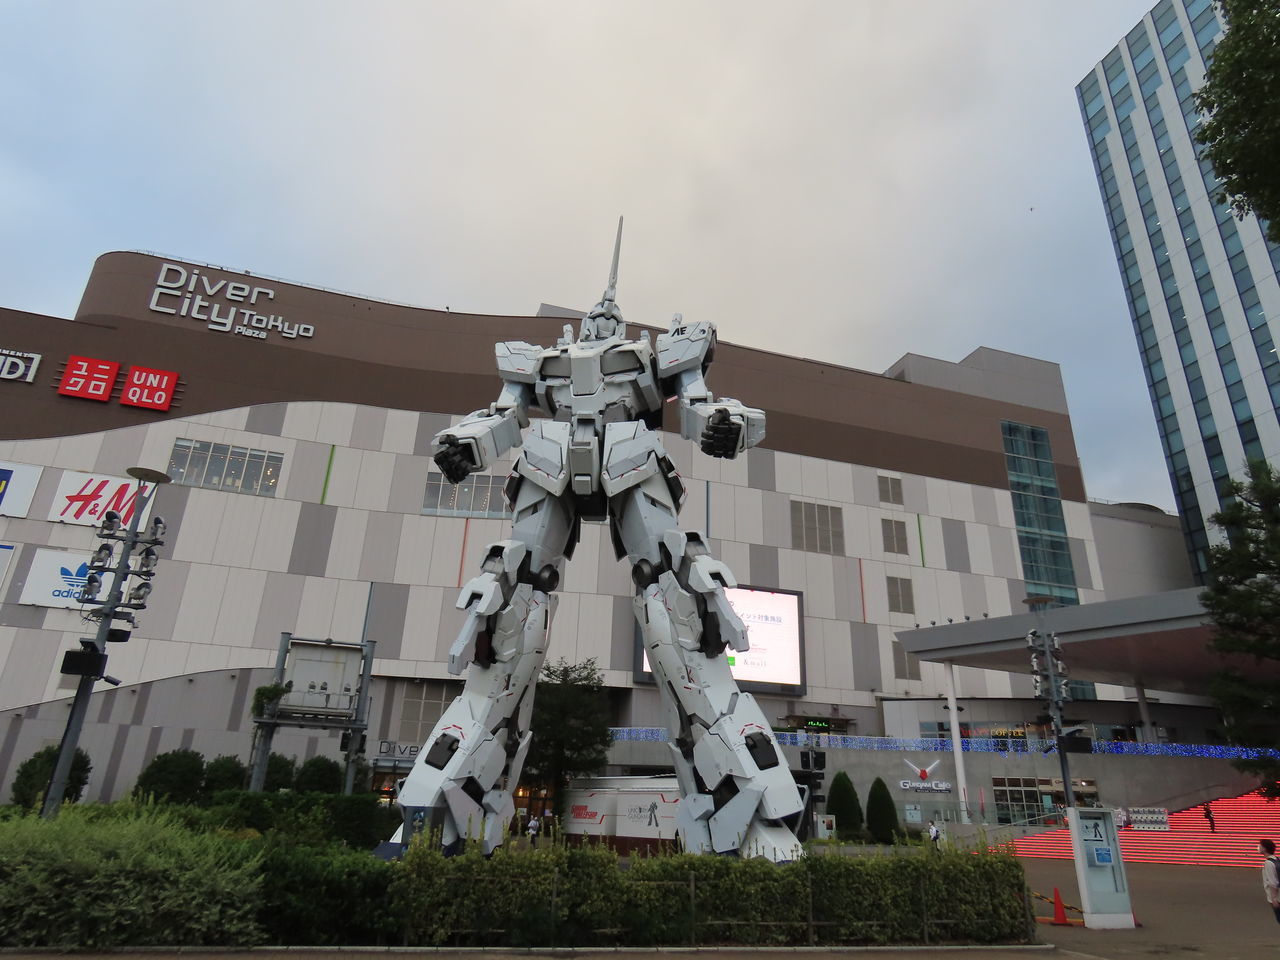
column 1059, row 910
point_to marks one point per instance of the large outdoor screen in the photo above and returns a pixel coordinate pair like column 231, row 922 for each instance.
column 775, row 630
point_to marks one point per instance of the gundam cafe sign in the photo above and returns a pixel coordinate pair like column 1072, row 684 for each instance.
column 224, row 306
column 922, row 780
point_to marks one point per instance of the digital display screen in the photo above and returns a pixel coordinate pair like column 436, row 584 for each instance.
column 775, row 631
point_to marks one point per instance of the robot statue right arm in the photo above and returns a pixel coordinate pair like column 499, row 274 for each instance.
column 482, row 437
column 722, row 427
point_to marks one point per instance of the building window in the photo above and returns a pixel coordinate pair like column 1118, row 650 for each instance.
column 890, row 490
column 1037, row 509
column 423, row 704
column 817, row 528
column 905, row 666
column 479, row 495
column 900, row 598
column 223, row 466
column 895, row 535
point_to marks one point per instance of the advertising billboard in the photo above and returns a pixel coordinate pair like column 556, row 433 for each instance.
column 775, row 630
column 56, row 579
column 84, row 498
column 17, row 486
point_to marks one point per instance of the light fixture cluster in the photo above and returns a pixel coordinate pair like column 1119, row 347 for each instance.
column 133, row 570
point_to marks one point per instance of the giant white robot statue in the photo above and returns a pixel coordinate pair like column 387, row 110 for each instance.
column 598, row 456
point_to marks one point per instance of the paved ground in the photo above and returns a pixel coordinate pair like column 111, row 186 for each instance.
column 1195, row 913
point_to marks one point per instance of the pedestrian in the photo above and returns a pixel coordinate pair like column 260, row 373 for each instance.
column 1270, row 875
column 532, row 829
column 1208, row 815
column 1122, row 818
column 935, row 834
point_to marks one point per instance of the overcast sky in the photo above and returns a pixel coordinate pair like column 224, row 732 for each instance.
column 848, row 181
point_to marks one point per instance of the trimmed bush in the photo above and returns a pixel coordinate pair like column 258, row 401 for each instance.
column 319, row 775
column 224, row 773
column 175, row 777
column 280, row 773
column 139, row 879
column 33, row 776
column 882, row 814
column 359, row 820
column 844, row 805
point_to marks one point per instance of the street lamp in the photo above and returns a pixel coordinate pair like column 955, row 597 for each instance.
column 90, row 662
column 1049, row 673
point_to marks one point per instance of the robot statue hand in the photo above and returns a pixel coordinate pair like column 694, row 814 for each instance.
column 454, row 458
column 722, row 435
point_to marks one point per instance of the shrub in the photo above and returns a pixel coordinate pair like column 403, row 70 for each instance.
column 844, row 805
column 358, row 820
column 319, row 775
column 224, row 773
column 882, row 814
column 280, row 773
column 138, row 878
column 33, row 776
column 175, row 777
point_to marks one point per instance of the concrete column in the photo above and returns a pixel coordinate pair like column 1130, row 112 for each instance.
column 956, row 752
column 1144, row 713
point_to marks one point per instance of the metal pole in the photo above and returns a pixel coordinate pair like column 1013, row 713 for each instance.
column 957, row 753
column 362, row 716
column 1045, row 643
column 84, row 689
column 1148, row 734
column 266, row 730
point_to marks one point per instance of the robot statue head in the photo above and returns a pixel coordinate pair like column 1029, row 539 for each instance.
column 605, row 319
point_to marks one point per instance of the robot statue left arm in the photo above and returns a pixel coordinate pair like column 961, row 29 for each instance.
column 480, row 438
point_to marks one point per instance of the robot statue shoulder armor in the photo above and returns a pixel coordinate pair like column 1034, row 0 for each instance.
column 518, row 362
column 686, row 346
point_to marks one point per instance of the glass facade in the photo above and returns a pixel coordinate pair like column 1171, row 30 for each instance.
column 1199, row 284
column 479, row 495
column 1037, row 512
column 224, row 466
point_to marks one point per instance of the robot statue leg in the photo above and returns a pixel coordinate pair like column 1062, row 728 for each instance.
column 462, row 780
column 737, row 792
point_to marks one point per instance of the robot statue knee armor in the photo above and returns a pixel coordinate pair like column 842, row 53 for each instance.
column 595, row 458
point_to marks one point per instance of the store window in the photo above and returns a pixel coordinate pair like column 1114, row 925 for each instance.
column 479, row 495
column 224, row 466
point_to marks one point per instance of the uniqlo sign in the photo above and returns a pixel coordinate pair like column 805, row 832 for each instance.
column 89, row 378
column 144, row 387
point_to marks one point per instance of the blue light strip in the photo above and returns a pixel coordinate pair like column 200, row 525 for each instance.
column 1001, row 745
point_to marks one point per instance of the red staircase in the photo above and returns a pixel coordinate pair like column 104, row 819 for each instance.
column 1240, row 823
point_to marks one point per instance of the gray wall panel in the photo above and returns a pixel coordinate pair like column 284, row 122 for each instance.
column 281, row 601
column 1017, row 593
column 955, row 545
column 266, row 418
column 429, row 424
column 366, row 432
column 622, row 636
column 764, row 565
column 171, row 504
column 161, row 618
column 19, row 568
column 761, row 465
column 307, row 469
column 984, row 506
column 310, row 555
column 1080, row 563
column 106, row 789
column 121, row 450
column 409, row 484
column 973, row 593
column 19, row 615
column 381, row 545
column 777, row 519
column 140, row 701
column 915, row 494
column 237, row 715
column 865, row 646
column 388, row 604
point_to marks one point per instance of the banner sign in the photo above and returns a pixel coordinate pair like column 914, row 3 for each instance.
column 17, row 487
column 56, row 579
column 18, row 365
column 7, row 553
column 84, row 498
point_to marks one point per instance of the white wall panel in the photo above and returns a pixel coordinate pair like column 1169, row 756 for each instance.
column 336, row 423
column 820, row 594
column 732, row 471
column 201, row 603
column 347, row 544
column 446, row 557
column 748, row 506
column 979, row 539
column 315, row 613
column 582, row 573
column 201, row 521
column 788, row 473
column 422, row 622
column 417, row 543
column 373, row 490
column 80, row 453
column 302, row 421
column 273, row 543
column 737, row 556
column 238, row 613
column 813, row 478
column 238, row 532
column 400, row 432
column 344, row 475
column 857, row 530
column 723, row 525
column 202, row 657
column 349, row 611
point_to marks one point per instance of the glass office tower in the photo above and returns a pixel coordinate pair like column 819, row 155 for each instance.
column 1202, row 287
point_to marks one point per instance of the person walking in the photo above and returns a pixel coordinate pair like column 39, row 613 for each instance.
column 935, row 835
column 1270, row 875
column 533, row 828
column 1208, row 815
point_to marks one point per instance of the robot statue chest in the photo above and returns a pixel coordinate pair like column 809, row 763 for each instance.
column 589, row 371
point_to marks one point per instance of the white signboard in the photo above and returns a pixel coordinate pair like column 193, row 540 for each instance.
column 622, row 813
column 56, row 579
column 84, row 498
column 7, row 552
column 773, row 630
column 17, row 486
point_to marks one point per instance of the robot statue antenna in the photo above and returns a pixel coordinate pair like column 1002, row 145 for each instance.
column 597, row 455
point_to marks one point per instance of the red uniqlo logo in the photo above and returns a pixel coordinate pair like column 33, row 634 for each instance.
column 144, row 387
column 89, row 378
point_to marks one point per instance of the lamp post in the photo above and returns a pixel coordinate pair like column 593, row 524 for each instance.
column 1050, row 675
column 90, row 662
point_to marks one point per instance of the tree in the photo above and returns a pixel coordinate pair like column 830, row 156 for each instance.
column 571, row 735
column 844, row 805
column 1241, row 132
column 173, row 777
column 280, row 773
column 1243, row 602
column 32, row 779
column 224, row 773
column 882, row 814
column 319, row 775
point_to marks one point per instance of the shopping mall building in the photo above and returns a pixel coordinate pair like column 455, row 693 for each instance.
column 295, row 423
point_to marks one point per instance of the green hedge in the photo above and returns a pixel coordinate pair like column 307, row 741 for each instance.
column 138, row 875
column 145, row 880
